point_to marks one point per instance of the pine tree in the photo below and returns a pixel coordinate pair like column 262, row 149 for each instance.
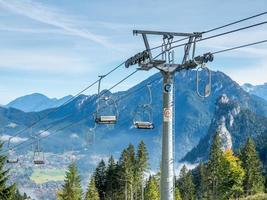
column 141, row 168
column 127, row 165
column 123, row 177
column 18, row 196
column 203, row 181
column 72, row 189
column 186, row 184
column 131, row 165
column 152, row 189
column 100, row 179
column 232, row 185
column 111, row 179
column 215, row 169
column 6, row 192
column 177, row 194
column 254, row 180
column 92, row 193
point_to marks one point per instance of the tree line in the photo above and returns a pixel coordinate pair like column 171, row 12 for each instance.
column 7, row 191
column 226, row 175
column 120, row 180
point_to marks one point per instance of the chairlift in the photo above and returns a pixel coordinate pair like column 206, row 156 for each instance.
column 143, row 118
column 207, row 87
column 107, row 116
column 12, row 158
column 72, row 156
column 38, row 155
column 90, row 139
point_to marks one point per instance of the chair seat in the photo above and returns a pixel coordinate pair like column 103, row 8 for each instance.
column 144, row 125
column 12, row 161
column 106, row 119
column 38, row 162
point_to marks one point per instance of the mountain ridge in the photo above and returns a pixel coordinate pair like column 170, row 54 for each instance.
column 36, row 102
column 258, row 90
column 193, row 117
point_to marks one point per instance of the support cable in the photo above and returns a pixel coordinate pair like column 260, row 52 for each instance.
column 66, row 102
column 221, row 34
column 217, row 28
column 239, row 47
column 20, row 144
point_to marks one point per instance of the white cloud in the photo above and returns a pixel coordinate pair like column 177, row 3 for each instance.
column 96, row 158
column 255, row 74
column 44, row 133
column 12, row 125
column 179, row 166
column 47, row 61
column 31, row 30
column 14, row 140
column 74, row 136
column 53, row 17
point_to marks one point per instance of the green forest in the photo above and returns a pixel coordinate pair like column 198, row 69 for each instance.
column 226, row 175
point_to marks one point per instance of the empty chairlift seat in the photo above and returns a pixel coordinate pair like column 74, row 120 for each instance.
column 10, row 161
column 106, row 119
column 12, row 157
column 38, row 158
column 38, row 155
column 143, row 125
column 143, row 117
column 106, row 108
column 39, row 162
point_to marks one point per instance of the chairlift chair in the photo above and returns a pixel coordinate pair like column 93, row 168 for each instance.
column 140, row 121
column 143, row 125
column 90, row 139
column 38, row 155
column 12, row 158
column 105, row 118
column 38, row 158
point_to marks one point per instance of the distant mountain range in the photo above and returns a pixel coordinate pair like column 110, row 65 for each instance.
column 36, row 102
column 193, row 118
column 259, row 90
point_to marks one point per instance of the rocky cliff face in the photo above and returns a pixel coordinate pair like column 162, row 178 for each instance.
column 233, row 124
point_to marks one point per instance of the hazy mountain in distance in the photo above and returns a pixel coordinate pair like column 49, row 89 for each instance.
column 259, row 90
column 36, row 102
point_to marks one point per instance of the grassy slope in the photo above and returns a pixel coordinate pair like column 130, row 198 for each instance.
column 40, row 176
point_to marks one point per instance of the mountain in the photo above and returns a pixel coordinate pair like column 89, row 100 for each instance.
column 193, row 118
column 234, row 125
column 36, row 102
column 259, row 90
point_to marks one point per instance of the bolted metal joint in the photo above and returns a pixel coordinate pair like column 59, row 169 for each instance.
column 137, row 59
column 207, row 57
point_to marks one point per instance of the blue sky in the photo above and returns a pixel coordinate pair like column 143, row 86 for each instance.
column 59, row 47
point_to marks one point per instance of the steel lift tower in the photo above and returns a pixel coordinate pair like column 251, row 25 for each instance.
column 168, row 68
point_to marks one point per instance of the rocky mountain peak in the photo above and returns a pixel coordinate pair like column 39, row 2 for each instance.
column 223, row 99
column 225, row 135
